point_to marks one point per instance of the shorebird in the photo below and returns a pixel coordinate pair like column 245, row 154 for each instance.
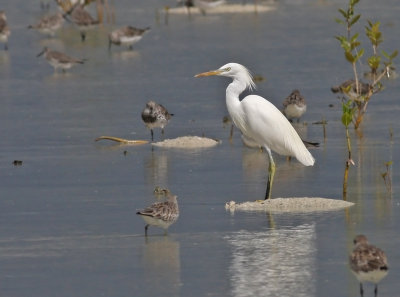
column 204, row 5
column 4, row 30
column 294, row 106
column 364, row 88
column 82, row 19
column 48, row 25
column 368, row 263
column 155, row 115
column 126, row 36
column 161, row 214
column 58, row 59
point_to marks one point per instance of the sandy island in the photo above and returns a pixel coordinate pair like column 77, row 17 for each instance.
column 225, row 8
column 297, row 204
column 187, row 142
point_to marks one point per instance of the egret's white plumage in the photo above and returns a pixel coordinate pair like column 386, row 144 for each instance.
column 259, row 120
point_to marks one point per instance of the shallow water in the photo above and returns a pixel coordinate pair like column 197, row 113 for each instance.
column 67, row 215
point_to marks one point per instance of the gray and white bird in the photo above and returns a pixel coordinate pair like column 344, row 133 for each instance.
column 4, row 30
column 59, row 60
column 161, row 214
column 294, row 106
column 48, row 25
column 368, row 263
column 127, row 35
column 82, row 19
column 155, row 115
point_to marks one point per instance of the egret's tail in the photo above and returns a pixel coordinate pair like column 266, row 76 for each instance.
column 305, row 157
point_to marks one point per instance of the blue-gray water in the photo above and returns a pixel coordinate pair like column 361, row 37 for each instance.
column 67, row 215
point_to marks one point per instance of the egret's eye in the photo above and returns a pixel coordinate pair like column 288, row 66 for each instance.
column 228, row 69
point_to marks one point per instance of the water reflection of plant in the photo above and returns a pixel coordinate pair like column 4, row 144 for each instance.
column 387, row 176
column 356, row 94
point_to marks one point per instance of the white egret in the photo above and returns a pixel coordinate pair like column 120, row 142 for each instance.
column 368, row 263
column 260, row 120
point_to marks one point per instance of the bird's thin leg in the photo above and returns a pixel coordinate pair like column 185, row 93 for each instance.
column 376, row 290
column 271, row 174
column 162, row 131
column 361, row 290
column 145, row 229
column 83, row 36
column 152, row 134
column 231, row 134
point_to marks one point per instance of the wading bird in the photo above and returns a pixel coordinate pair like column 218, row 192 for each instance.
column 4, row 30
column 59, row 60
column 48, row 25
column 126, row 36
column 260, row 121
column 82, row 19
column 161, row 214
column 294, row 106
column 368, row 263
column 155, row 115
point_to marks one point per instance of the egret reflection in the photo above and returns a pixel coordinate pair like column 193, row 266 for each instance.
column 278, row 262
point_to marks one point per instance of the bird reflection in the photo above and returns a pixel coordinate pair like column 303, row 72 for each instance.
column 279, row 262
column 162, row 267
column 157, row 168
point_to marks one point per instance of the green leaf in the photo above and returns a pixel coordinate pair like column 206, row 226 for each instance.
column 385, row 54
column 339, row 21
column 360, row 53
column 344, row 14
column 354, row 37
column 355, row 19
column 394, row 55
column 349, row 57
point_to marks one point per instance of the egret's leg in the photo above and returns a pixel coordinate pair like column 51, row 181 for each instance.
column 145, row 229
column 361, row 290
column 152, row 134
column 376, row 290
column 271, row 174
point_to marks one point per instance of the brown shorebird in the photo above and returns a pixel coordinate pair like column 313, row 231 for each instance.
column 161, row 214
column 350, row 84
column 48, row 25
column 82, row 19
column 59, row 60
column 4, row 30
column 155, row 115
column 368, row 263
column 294, row 106
column 126, row 36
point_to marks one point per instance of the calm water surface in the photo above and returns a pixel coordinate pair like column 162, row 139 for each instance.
column 67, row 215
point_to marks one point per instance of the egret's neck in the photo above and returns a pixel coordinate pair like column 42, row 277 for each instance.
column 233, row 91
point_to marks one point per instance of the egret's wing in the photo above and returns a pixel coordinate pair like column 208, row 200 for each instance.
column 265, row 124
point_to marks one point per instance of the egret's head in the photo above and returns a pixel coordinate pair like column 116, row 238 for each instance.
column 235, row 71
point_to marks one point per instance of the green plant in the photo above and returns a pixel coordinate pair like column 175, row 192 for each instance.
column 356, row 94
